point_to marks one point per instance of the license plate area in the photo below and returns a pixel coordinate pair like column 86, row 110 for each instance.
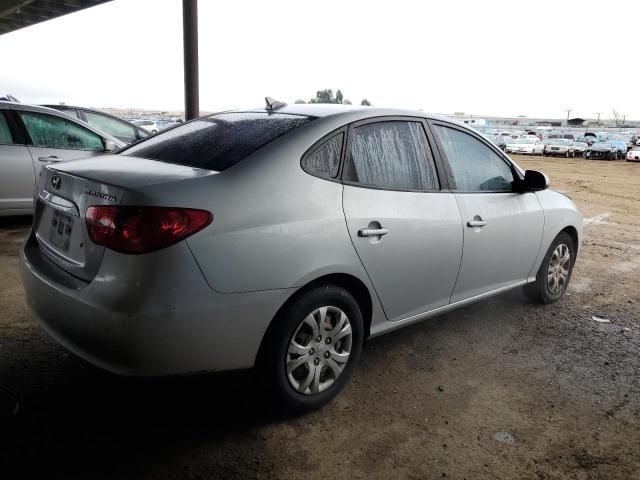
column 61, row 230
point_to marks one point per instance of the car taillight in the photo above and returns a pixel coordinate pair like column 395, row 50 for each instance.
column 129, row 229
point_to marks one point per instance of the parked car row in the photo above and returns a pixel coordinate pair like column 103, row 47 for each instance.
column 153, row 126
column 564, row 145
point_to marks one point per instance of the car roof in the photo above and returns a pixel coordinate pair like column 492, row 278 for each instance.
column 29, row 107
column 335, row 110
column 52, row 111
column 64, row 107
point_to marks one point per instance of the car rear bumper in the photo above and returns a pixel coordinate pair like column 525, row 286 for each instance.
column 163, row 321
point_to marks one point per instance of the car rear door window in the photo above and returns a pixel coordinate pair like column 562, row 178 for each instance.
column 56, row 132
column 324, row 161
column 394, row 155
column 116, row 128
column 219, row 141
column 5, row 133
column 474, row 166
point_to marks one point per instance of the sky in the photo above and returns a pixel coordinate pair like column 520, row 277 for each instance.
column 482, row 57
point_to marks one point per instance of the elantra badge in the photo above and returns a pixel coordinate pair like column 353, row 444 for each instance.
column 103, row 196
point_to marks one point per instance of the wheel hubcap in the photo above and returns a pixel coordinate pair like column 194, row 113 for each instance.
column 558, row 271
column 319, row 350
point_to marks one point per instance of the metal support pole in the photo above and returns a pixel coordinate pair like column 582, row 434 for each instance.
column 190, row 40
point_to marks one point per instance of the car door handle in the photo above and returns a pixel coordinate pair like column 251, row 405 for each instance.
column 50, row 158
column 476, row 222
column 372, row 232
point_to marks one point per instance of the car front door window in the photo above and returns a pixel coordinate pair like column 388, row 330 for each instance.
column 474, row 166
column 56, row 132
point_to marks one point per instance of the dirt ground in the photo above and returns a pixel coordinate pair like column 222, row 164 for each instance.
column 500, row 389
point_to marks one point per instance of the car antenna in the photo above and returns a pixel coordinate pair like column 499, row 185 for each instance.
column 273, row 104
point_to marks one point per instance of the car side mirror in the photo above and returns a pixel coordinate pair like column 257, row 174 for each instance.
column 110, row 146
column 535, row 181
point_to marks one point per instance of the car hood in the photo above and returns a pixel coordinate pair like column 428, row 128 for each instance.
column 601, row 147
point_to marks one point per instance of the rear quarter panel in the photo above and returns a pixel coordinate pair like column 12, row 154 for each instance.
column 274, row 225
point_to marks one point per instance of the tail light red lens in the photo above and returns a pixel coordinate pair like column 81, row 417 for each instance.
column 129, row 229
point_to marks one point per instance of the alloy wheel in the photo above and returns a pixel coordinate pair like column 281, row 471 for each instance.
column 558, row 271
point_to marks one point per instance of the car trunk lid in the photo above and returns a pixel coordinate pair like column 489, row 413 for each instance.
column 65, row 191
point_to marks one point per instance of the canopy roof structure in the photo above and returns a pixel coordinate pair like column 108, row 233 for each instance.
column 17, row 14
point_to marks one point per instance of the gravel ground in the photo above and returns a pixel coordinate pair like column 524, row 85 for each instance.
column 500, row 389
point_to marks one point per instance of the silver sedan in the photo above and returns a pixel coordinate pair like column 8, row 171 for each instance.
column 281, row 238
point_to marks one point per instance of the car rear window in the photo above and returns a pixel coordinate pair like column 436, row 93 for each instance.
column 219, row 141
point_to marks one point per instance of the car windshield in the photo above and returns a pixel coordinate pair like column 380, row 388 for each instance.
column 556, row 141
column 219, row 141
column 526, row 140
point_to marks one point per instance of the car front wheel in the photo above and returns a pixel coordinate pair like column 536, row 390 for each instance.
column 555, row 271
column 312, row 348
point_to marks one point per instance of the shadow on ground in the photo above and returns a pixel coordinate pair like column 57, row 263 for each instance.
column 62, row 417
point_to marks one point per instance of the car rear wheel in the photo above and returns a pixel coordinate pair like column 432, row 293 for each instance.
column 312, row 348
column 555, row 271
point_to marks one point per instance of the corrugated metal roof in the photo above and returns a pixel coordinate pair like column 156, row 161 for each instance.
column 16, row 14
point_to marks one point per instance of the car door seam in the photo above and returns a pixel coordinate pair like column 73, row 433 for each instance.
column 462, row 223
column 346, row 225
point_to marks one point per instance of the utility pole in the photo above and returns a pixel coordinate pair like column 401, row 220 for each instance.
column 568, row 110
column 598, row 113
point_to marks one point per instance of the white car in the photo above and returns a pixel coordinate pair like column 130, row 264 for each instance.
column 526, row 145
column 148, row 125
column 579, row 148
column 633, row 155
column 562, row 147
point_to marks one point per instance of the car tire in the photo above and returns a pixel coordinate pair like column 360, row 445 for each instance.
column 547, row 289
column 299, row 363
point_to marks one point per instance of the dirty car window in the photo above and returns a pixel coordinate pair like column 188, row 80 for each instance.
column 219, row 141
